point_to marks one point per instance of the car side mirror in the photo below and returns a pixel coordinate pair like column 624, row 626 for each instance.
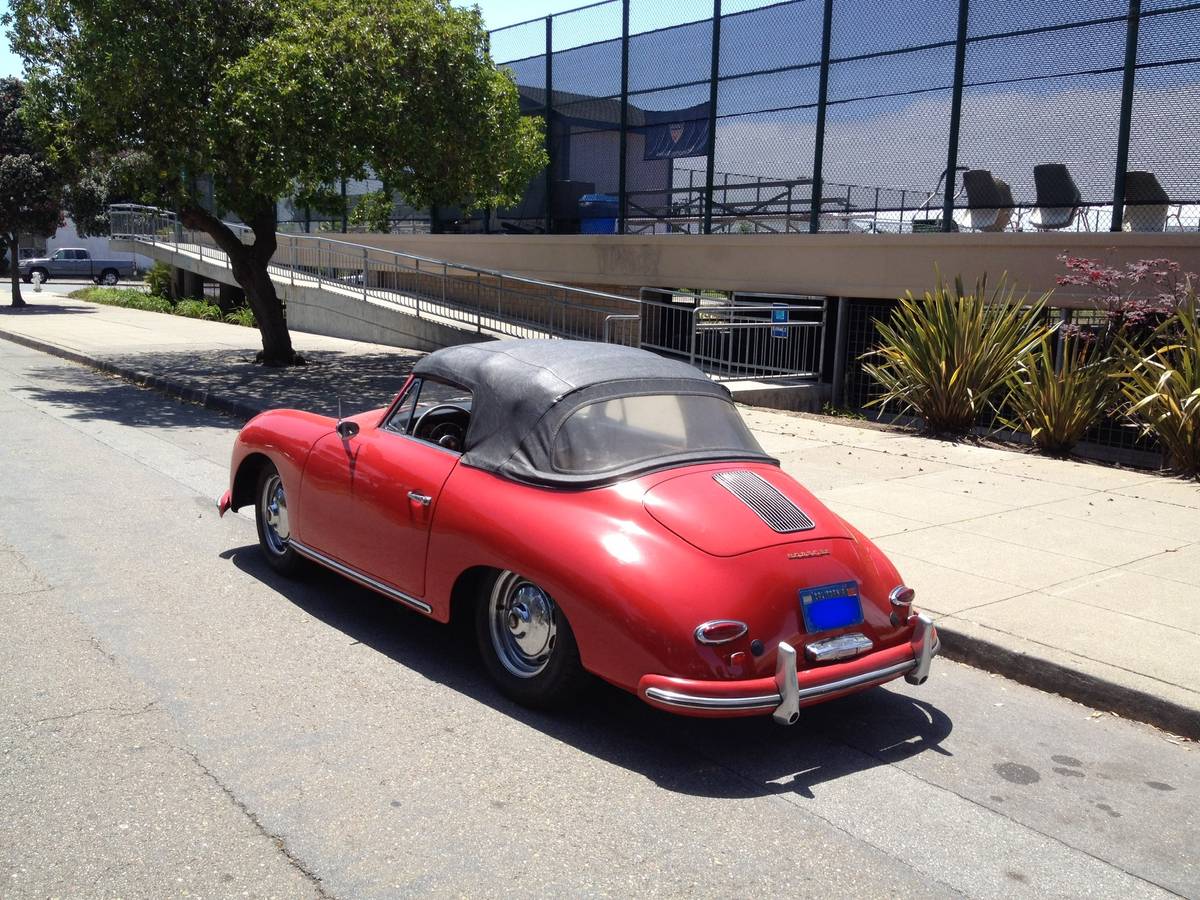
column 347, row 429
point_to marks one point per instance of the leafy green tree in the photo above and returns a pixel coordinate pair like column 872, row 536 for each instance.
column 276, row 97
column 30, row 186
column 373, row 211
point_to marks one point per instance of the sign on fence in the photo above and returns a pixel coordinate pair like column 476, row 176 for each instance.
column 779, row 314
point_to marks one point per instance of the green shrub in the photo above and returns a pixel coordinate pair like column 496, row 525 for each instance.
column 159, row 281
column 1056, row 405
column 944, row 356
column 198, row 309
column 130, row 298
column 1162, row 387
column 243, row 315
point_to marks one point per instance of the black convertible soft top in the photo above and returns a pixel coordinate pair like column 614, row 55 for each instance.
column 523, row 390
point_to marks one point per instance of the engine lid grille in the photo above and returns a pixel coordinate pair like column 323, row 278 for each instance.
column 780, row 513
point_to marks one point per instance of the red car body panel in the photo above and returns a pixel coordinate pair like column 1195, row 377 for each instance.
column 635, row 566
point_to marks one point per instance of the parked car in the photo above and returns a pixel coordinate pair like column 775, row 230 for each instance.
column 593, row 508
column 76, row 263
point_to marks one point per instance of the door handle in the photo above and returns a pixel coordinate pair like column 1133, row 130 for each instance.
column 418, row 497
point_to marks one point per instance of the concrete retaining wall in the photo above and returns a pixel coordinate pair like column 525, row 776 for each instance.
column 828, row 265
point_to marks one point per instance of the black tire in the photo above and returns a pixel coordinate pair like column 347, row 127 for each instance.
column 45, row 274
column 552, row 682
column 109, row 277
column 272, row 538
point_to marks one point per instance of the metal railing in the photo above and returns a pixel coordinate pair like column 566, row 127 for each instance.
column 736, row 341
column 485, row 300
column 728, row 341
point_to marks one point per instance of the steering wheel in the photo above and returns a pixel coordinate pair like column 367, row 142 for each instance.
column 449, row 434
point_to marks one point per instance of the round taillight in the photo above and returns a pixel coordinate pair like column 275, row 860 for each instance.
column 720, row 631
column 902, row 597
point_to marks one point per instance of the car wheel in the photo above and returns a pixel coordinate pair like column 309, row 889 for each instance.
column 45, row 275
column 527, row 645
column 274, row 526
column 109, row 277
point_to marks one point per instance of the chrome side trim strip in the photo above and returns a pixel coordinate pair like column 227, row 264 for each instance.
column 696, row 701
column 365, row 580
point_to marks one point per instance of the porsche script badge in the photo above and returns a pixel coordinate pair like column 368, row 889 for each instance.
column 808, row 554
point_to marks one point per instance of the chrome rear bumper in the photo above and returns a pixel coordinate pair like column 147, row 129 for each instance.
column 788, row 696
column 915, row 671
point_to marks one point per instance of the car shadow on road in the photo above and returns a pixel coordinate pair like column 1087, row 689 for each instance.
column 720, row 758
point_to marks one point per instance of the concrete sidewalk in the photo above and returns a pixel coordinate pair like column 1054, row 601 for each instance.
column 1076, row 578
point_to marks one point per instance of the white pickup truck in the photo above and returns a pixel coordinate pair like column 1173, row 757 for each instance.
column 76, row 263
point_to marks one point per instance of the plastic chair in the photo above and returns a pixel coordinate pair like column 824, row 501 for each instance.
column 987, row 205
column 1146, row 203
column 1058, row 197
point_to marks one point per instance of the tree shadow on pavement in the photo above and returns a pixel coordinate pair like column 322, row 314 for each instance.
column 721, row 758
column 84, row 394
column 360, row 381
column 33, row 308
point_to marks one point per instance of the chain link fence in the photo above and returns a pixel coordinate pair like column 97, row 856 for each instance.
column 841, row 115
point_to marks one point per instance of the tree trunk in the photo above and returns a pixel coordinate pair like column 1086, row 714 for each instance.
column 13, row 249
column 249, row 265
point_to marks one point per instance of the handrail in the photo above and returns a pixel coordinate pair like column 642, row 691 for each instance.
column 241, row 229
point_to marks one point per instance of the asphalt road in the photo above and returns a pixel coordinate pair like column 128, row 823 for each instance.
column 176, row 720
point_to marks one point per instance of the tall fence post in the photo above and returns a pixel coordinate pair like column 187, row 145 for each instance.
column 622, row 200
column 841, row 343
column 1131, row 43
column 960, row 65
column 549, row 124
column 713, row 81
column 814, row 214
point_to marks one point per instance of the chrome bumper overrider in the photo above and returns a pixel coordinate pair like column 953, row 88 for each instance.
column 785, row 702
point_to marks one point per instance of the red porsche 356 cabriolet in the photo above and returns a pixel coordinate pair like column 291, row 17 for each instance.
column 596, row 509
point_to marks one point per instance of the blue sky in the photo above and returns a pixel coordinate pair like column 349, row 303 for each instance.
column 496, row 13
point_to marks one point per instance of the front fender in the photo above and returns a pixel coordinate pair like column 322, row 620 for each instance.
column 282, row 436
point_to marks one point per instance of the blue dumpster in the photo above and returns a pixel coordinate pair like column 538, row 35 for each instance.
column 598, row 214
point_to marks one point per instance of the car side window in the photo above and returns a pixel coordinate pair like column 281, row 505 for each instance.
column 435, row 412
column 401, row 417
column 59, row 254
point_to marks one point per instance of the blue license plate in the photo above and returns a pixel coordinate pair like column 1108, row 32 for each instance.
column 831, row 606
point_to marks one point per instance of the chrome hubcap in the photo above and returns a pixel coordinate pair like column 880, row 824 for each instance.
column 522, row 625
column 275, row 515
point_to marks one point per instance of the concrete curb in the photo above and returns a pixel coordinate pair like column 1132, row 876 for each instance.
column 1082, row 687
column 1043, row 674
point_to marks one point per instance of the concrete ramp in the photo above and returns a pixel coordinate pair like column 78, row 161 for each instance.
column 317, row 306
column 343, row 289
